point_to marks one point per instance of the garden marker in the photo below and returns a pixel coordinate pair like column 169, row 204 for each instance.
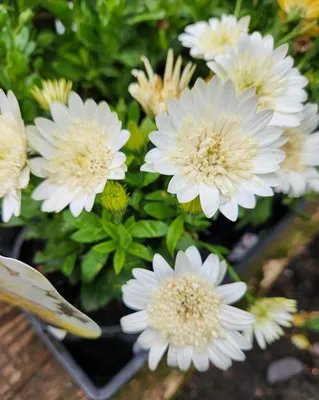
column 23, row 286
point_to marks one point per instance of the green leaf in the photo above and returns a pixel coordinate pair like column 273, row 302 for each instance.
column 83, row 221
column 118, row 260
column 147, row 126
column 98, row 293
column 147, row 16
column 185, row 242
column 149, row 177
column 148, row 229
column 68, row 265
column 124, row 237
column 174, row 233
column 67, row 70
column 159, row 210
column 92, row 264
column 54, row 250
column 135, row 199
column 134, row 111
column 220, row 251
column 312, row 324
column 161, row 195
column 129, row 222
column 134, row 179
column 89, row 235
column 110, row 229
column 141, row 251
column 105, row 247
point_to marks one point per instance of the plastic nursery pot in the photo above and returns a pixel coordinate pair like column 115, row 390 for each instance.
column 100, row 367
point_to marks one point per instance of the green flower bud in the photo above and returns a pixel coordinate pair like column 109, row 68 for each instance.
column 114, row 198
column 193, row 207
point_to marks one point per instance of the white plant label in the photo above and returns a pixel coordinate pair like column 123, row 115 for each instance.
column 25, row 287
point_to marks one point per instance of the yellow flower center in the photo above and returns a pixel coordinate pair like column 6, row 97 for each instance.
column 215, row 40
column 185, row 310
column 215, row 153
column 13, row 153
column 293, row 149
column 83, row 156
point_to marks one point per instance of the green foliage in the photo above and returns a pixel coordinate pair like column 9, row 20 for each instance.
column 102, row 41
column 174, row 233
column 145, row 229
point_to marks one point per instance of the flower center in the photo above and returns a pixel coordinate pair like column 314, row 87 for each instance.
column 251, row 71
column 83, row 156
column 216, row 40
column 185, row 311
column 293, row 149
column 215, row 153
column 13, row 153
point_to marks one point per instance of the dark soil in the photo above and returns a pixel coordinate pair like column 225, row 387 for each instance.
column 247, row 380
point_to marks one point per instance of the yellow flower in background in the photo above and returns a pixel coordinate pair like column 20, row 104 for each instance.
column 271, row 315
column 52, row 91
column 300, row 341
column 298, row 9
column 153, row 91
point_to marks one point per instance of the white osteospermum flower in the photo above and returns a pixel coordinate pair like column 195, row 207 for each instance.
column 209, row 39
column 14, row 169
column 298, row 171
column 257, row 65
column 80, row 152
column 186, row 311
column 153, row 91
column 271, row 314
column 218, row 147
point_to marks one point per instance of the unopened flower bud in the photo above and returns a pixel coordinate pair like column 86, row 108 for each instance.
column 192, row 207
column 52, row 91
column 114, row 198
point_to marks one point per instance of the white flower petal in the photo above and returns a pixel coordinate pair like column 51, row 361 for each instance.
column 39, row 143
column 209, row 200
column 182, row 264
column 235, row 319
column 232, row 292
column 218, row 358
column 145, row 277
column 211, row 268
column 230, row 210
column 135, row 322
column 135, row 301
column 155, row 355
column 194, row 256
column 201, row 361
column 76, row 105
column 184, row 358
column 38, row 165
column 161, row 268
column 61, row 116
column 148, row 338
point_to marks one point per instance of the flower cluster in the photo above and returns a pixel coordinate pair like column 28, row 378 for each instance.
column 242, row 133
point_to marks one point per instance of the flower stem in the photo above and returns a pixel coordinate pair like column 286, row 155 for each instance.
column 238, row 7
column 117, row 219
column 237, row 278
column 296, row 32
